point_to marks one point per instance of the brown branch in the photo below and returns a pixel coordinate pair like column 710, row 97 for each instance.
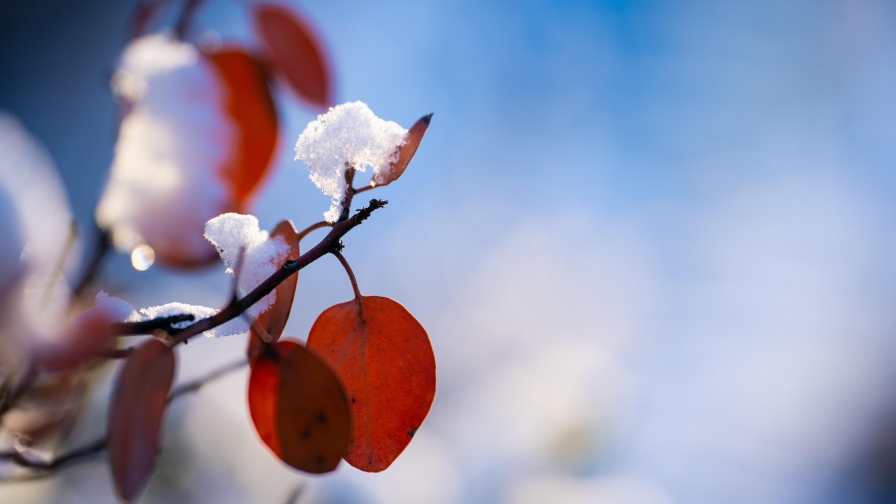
column 77, row 455
column 186, row 16
column 83, row 453
column 148, row 326
column 235, row 308
column 349, row 193
column 196, row 384
column 9, row 400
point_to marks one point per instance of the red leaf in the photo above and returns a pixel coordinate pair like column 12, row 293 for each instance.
column 252, row 108
column 135, row 416
column 264, row 386
column 82, row 340
column 296, row 51
column 273, row 320
column 299, row 407
column 405, row 153
column 386, row 361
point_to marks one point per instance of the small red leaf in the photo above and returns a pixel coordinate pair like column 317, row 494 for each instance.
column 295, row 50
column 385, row 359
column 406, row 152
column 136, row 414
column 299, row 407
column 82, row 340
column 273, row 320
column 313, row 415
column 252, row 108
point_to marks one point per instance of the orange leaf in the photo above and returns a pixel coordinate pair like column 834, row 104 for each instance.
column 295, row 50
column 264, row 384
column 406, row 152
column 136, row 414
column 252, row 108
column 299, row 407
column 386, row 361
column 273, row 320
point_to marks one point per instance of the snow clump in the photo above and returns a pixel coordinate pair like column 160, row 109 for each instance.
column 232, row 234
column 347, row 135
column 169, row 149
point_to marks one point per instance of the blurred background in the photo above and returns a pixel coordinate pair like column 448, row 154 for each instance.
column 652, row 243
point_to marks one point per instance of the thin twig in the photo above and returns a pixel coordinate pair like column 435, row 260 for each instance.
column 186, row 16
column 28, row 378
column 83, row 453
column 290, row 267
column 198, row 383
column 100, row 251
column 351, row 274
column 70, row 240
column 365, row 188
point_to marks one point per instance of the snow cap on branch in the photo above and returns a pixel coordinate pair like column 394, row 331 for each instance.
column 233, row 234
column 347, row 135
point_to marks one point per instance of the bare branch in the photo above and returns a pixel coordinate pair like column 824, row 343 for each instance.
column 148, row 326
column 234, row 309
column 86, row 452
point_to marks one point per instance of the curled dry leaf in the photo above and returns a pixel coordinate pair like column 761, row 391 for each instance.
column 273, row 320
column 252, row 108
column 135, row 416
column 406, row 152
column 385, row 359
column 294, row 50
column 299, row 407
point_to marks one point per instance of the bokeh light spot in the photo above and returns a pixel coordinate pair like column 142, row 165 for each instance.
column 142, row 257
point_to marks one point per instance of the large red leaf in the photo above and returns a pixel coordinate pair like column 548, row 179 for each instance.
column 273, row 320
column 299, row 407
column 405, row 153
column 386, row 361
column 294, row 49
column 135, row 416
column 249, row 103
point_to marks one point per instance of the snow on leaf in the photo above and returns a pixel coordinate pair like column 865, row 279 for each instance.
column 348, row 135
column 273, row 320
column 233, row 234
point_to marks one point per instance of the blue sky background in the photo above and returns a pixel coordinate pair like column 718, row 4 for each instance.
column 652, row 243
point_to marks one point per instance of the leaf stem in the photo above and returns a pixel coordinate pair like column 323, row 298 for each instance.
column 317, row 225
column 351, row 274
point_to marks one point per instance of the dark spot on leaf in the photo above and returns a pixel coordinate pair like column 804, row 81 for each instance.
column 353, row 400
column 322, row 418
column 320, row 458
column 306, row 434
